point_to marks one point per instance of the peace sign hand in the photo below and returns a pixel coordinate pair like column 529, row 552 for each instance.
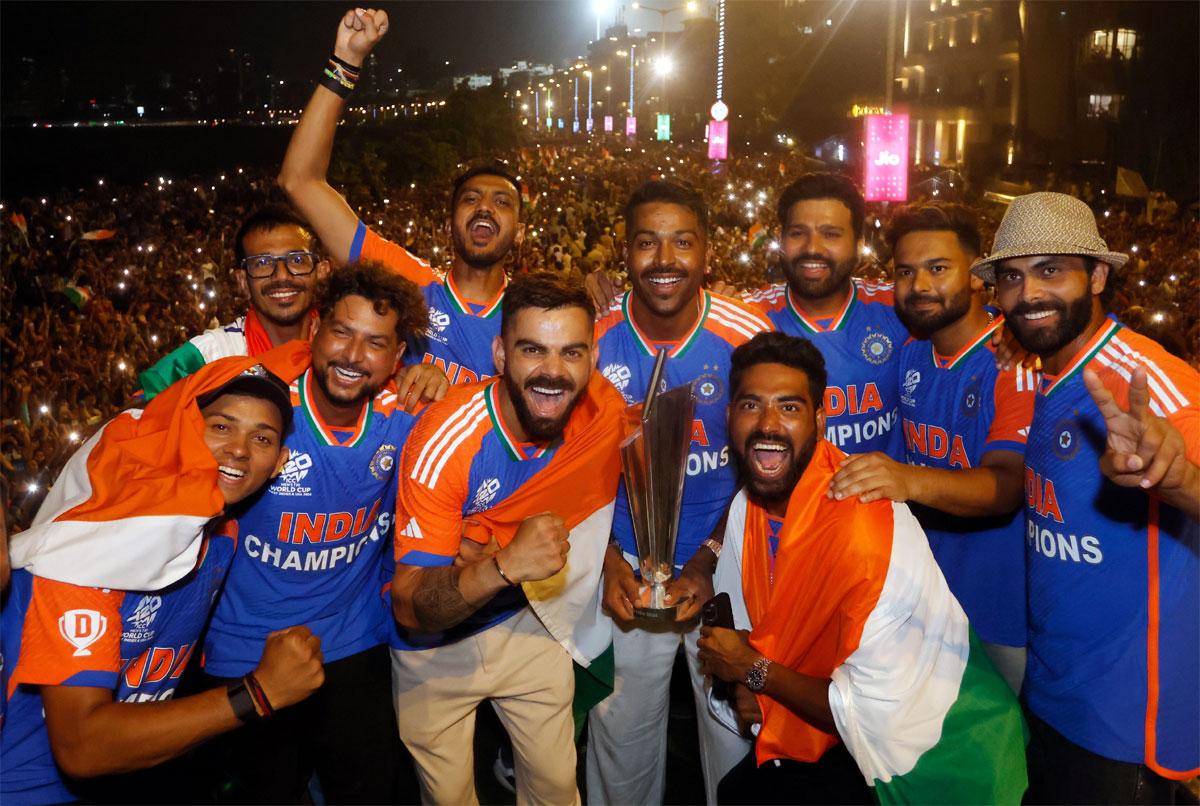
column 1143, row 450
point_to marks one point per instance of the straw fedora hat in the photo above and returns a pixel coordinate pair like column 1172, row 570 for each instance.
column 1046, row 224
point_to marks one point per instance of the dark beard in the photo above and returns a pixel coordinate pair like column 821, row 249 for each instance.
column 540, row 429
column 368, row 391
column 481, row 260
column 839, row 276
column 923, row 326
column 1075, row 318
column 769, row 492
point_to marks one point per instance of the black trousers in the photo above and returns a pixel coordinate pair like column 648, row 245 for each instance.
column 833, row 778
column 345, row 732
column 1061, row 771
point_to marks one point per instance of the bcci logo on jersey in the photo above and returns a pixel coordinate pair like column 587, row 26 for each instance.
column 969, row 406
column 383, row 461
column 438, row 322
column 138, row 623
column 707, row 388
column 1066, row 440
column 911, row 379
column 619, row 376
column 484, row 496
column 877, row 348
column 289, row 480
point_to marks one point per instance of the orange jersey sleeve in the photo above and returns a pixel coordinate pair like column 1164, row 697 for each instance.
column 1174, row 385
column 433, row 480
column 1014, row 392
column 71, row 636
column 368, row 245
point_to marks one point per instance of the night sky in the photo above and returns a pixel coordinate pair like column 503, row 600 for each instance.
column 106, row 44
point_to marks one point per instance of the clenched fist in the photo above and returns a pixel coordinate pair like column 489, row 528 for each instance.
column 291, row 667
column 359, row 32
column 538, row 551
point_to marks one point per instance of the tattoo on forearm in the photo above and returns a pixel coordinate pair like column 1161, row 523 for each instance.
column 437, row 603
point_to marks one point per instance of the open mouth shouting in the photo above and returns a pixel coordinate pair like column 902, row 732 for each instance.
column 482, row 230
column 768, row 456
column 548, row 398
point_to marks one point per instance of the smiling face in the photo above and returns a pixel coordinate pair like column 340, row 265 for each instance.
column 546, row 358
column 1050, row 301
column 665, row 256
column 934, row 285
column 774, row 425
column 243, row 433
column 355, row 351
column 819, row 248
column 484, row 226
column 283, row 298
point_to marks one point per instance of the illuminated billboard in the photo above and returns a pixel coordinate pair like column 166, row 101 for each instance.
column 664, row 127
column 718, row 139
column 886, row 158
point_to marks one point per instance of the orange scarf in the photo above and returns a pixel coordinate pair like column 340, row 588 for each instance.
column 580, row 478
column 829, row 570
column 257, row 340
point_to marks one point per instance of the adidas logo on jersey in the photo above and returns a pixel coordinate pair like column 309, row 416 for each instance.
column 411, row 529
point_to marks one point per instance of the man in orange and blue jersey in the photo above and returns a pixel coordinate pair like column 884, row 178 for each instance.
column 666, row 255
column 964, row 424
column 528, row 459
column 850, row 320
column 484, row 224
column 1112, row 502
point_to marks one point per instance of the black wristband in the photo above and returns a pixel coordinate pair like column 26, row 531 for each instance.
column 352, row 68
column 242, row 702
column 329, row 82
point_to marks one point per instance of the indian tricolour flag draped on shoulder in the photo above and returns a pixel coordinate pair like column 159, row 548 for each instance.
column 857, row 597
column 129, row 509
column 580, row 485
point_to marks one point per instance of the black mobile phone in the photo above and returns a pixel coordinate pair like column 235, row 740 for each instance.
column 717, row 612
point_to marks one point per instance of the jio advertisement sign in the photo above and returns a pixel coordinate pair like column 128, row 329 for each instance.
column 887, row 158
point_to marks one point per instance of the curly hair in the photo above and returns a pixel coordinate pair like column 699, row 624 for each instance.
column 779, row 348
column 386, row 290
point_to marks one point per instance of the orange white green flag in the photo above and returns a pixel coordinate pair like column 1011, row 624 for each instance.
column 129, row 509
column 856, row 596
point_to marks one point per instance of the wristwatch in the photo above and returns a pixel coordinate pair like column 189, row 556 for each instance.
column 756, row 678
column 713, row 546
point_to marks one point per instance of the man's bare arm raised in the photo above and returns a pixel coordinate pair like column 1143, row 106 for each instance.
column 306, row 163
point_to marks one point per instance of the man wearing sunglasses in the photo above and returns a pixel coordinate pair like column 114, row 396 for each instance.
column 277, row 268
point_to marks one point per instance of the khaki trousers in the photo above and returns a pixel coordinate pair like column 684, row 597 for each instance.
column 529, row 678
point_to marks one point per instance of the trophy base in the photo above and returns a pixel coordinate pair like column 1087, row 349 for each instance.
column 661, row 613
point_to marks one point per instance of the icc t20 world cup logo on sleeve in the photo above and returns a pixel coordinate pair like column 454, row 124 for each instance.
column 81, row 629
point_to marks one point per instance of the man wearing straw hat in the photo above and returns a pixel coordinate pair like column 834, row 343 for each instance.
column 1112, row 557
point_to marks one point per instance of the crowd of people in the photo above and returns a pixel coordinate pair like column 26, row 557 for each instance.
column 936, row 506
column 85, row 316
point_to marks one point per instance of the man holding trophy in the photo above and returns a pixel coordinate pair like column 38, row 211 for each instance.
column 678, row 492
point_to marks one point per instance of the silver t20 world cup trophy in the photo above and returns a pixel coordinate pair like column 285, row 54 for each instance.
column 654, row 457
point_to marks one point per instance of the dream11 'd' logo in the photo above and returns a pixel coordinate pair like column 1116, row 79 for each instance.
column 81, row 629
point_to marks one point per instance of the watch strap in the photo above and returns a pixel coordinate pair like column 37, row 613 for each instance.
column 242, row 702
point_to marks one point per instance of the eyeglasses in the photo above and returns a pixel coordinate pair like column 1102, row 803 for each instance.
column 296, row 263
